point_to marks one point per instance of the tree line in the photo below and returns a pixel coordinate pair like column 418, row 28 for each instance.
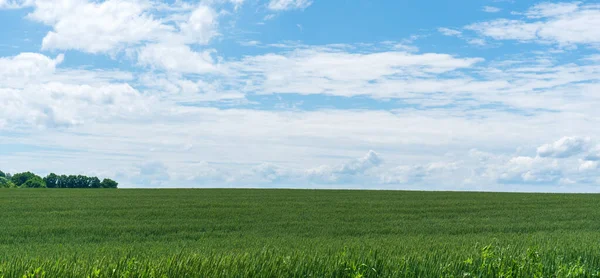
column 31, row 180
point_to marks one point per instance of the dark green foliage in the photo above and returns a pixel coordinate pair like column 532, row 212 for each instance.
column 21, row 178
column 30, row 180
column 51, row 180
column 2, row 174
column 72, row 181
column 6, row 183
column 108, row 183
column 34, row 182
column 297, row 233
column 94, row 182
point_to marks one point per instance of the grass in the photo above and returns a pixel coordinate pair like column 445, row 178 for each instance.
column 296, row 233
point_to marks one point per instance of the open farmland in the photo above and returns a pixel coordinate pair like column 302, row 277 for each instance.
column 296, row 233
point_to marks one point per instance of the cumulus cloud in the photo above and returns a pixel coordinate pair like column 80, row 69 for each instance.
column 480, row 171
column 62, row 105
column 200, row 26
column 564, row 147
column 35, row 93
column 96, row 26
column 340, row 173
column 588, row 166
column 282, row 5
column 562, row 163
column 370, row 160
column 523, row 169
column 115, row 25
column 26, row 66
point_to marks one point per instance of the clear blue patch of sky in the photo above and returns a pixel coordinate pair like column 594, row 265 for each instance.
column 18, row 34
column 365, row 21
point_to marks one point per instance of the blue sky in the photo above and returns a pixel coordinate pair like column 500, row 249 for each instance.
column 467, row 95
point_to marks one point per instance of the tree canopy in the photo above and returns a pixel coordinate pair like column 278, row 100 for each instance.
column 6, row 183
column 21, row 178
column 34, row 182
column 31, row 180
column 79, row 181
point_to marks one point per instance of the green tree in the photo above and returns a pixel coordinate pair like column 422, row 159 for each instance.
column 31, row 180
column 94, row 182
column 51, row 180
column 21, row 178
column 61, row 181
column 35, row 182
column 6, row 183
column 108, row 183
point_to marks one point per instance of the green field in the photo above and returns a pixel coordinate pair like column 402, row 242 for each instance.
column 296, row 233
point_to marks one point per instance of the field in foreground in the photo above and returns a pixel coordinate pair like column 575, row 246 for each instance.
column 296, row 233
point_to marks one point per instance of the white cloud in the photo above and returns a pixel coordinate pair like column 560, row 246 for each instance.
column 504, row 29
column 344, row 172
column 561, row 163
column 478, row 171
column 333, row 71
column 282, row 5
column 200, row 26
column 176, row 58
column 561, row 23
column 564, row 147
column 490, row 9
column 552, row 9
column 476, row 41
column 449, row 32
column 523, row 169
column 62, row 105
column 26, row 66
column 588, row 166
column 96, row 26
column 116, row 25
column 459, row 34
column 35, row 93
column 370, row 160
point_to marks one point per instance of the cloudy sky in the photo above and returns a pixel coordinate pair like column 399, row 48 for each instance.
column 432, row 95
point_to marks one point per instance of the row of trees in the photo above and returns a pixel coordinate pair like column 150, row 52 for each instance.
column 31, row 180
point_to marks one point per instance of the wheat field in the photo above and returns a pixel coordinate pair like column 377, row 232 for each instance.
column 296, row 233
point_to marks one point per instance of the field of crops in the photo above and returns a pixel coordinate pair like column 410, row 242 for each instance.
column 296, row 233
